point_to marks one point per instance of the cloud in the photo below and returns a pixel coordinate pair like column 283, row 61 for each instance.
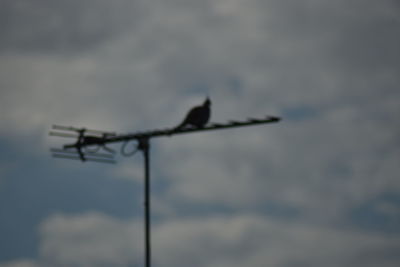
column 95, row 239
column 330, row 69
column 20, row 263
column 178, row 47
column 63, row 27
column 252, row 61
column 324, row 167
column 92, row 239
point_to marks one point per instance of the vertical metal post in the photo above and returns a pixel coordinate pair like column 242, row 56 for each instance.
column 144, row 145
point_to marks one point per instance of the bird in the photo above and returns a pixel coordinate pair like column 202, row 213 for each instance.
column 197, row 117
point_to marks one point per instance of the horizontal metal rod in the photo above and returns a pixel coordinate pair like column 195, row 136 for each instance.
column 87, row 153
column 75, row 129
column 101, row 160
column 63, row 134
column 65, row 156
column 172, row 131
column 65, row 151
column 86, row 158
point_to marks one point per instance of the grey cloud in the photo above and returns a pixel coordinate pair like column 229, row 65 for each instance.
column 329, row 68
column 112, row 86
column 242, row 240
column 20, row 263
column 63, row 26
column 324, row 166
column 90, row 239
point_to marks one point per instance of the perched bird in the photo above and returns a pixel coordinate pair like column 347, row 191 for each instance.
column 197, row 117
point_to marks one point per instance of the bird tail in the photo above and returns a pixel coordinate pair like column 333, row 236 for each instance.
column 180, row 126
column 177, row 128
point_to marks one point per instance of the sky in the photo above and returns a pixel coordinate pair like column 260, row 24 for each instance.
column 319, row 188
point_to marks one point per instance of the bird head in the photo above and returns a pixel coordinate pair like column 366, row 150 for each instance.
column 207, row 102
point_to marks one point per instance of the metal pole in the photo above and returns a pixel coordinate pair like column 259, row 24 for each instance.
column 144, row 145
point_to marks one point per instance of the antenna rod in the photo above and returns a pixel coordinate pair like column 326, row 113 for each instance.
column 144, row 145
column 170, row 132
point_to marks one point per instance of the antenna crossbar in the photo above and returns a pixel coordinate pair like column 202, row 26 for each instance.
column 210, row 127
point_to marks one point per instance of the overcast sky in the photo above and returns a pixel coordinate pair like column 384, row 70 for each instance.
column 320, row 188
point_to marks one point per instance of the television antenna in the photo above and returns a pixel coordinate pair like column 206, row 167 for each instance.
column 91, row 145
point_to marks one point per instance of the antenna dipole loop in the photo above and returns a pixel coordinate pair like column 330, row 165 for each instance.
column 124, row 149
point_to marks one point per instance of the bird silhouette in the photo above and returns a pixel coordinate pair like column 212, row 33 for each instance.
column 197, row 117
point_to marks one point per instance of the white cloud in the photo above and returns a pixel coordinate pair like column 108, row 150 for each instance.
column 20, row 263
column 95, row 239
column 92, row 239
